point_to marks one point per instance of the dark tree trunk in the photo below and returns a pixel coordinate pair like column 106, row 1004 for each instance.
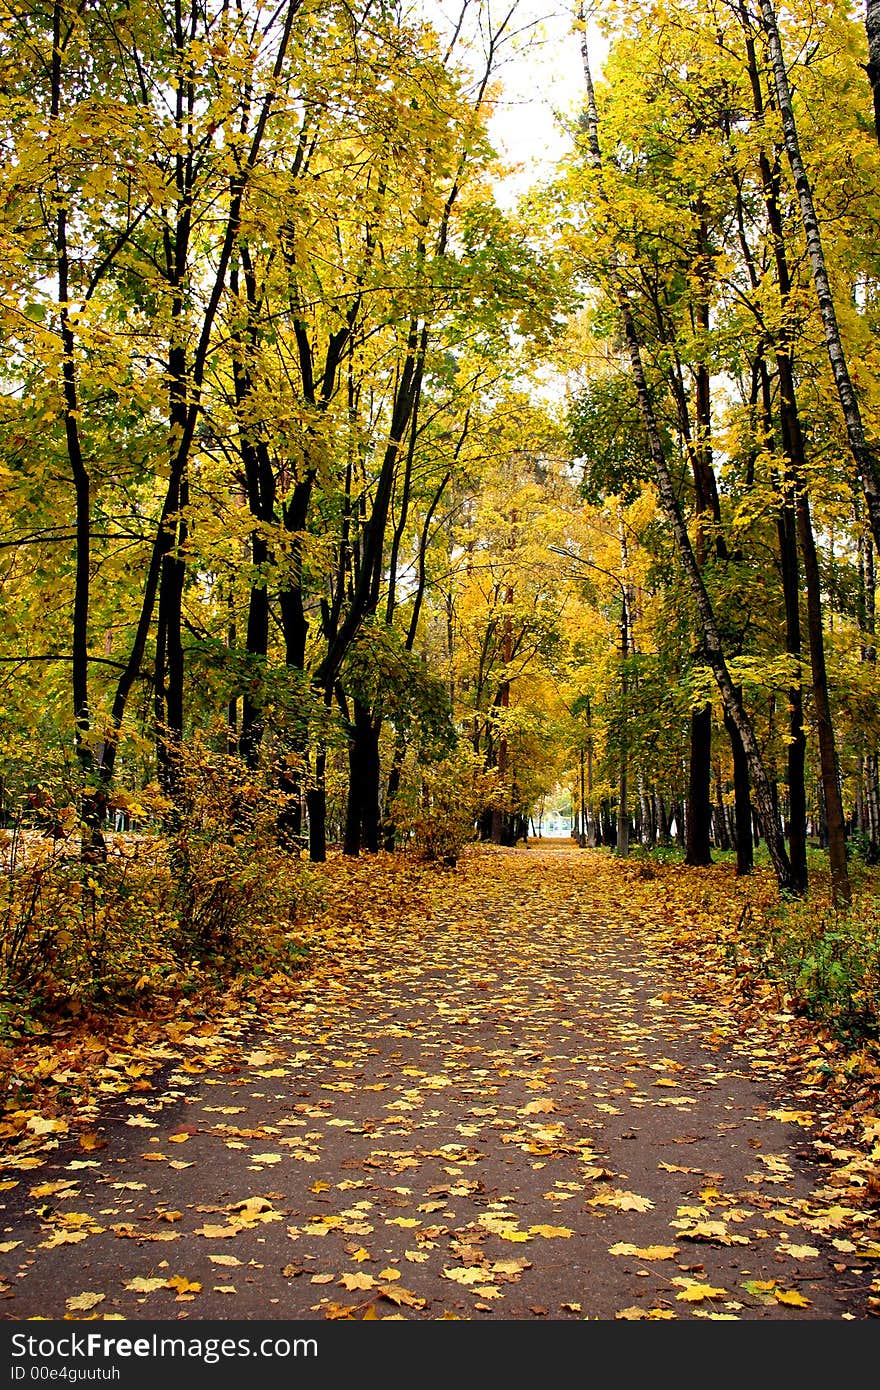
column 722, row 838
column 698, row 823
column 362, row 812
column 742, row 805
column 872, row 25
column 316, row 808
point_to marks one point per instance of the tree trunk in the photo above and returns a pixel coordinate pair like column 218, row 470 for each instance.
column 698, row 822
column 742, row 804
column 316, row 809
column 872, row 26
column 861, row 451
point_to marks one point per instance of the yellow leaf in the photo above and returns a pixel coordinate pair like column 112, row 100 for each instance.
column 83, row 1302
column 183, row 1285
column 622, row 1201
column 472, row 1274
column 141, row 1285
column 399, row 1295
column 538, row 1107
column 510, row 1267
column 550, row 1231
column 692, row 1292
column 322, row 1279
column 37, row 1125
column 389, row 1274
column 357, row 1281
column 645, row 1252
column 792, row 1298
column 48, row 1189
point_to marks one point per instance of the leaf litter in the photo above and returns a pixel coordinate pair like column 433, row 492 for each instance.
column 457, row 1071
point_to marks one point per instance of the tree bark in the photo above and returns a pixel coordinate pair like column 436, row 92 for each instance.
column 711, row 638
column 872, row 27
column 862, row 452
column 698, row 824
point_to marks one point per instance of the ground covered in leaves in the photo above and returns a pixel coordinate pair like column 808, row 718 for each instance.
column 534, row 1086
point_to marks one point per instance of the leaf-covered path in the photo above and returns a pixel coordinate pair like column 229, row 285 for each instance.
column 500, row 1092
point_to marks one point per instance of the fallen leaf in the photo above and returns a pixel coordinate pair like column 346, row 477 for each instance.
column 693, row 1292
column 83, row 1302
column 792, row 1298
column 644, row 1252
column 357, row 1281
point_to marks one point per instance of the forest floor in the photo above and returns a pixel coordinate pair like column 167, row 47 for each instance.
column 525, row 1088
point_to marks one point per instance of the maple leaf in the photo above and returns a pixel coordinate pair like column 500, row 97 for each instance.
column 792, row 1298
column 84, row 1302
column 37, row 1124
column 357, row 1281
column 635, row 1313
column 510, row 1267
column 538, row 1107
column 183, row 1285
column 694, row 1292
column 142, row 1285
column 714, row 1232
column 647, row 1252
column 549, row 1232
column 622, row 1201
column 397, row 1294
column 473, row 1274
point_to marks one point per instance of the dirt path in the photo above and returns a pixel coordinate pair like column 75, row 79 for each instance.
column 491, row 1103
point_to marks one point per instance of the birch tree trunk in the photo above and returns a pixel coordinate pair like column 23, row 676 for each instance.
column 861, row 451
column 714, row 653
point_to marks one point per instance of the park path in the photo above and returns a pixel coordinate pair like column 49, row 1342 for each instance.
column 504, row 1098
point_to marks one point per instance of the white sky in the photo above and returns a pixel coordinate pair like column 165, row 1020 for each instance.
column 541, row 74
column 541, row 81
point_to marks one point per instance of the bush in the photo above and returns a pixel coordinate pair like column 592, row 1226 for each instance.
column 206, row 894
column 228, row 877
column 438, row 804
column 826, row 960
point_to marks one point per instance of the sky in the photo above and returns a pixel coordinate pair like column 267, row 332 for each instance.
column 540, row 81
column 541, row 75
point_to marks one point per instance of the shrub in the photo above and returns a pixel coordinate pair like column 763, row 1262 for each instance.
column 203, row 894
column 826, row 960
column 438, row 804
